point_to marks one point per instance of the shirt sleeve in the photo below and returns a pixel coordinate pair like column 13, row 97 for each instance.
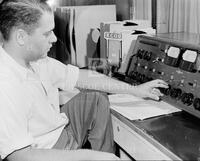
column 14, row 133
column 62, row 76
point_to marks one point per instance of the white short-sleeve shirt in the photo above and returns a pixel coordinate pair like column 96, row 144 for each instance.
column 29, row 102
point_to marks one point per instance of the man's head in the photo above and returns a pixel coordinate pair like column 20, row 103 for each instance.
column 21, row 14
column 28, row 23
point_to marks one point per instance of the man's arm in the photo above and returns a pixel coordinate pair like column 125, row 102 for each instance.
column 93, row 80
column 29, row 154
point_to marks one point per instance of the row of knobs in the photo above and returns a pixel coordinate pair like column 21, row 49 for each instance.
column 186, row 98
column 139, row 77
column 143, row 54
column 175, row 93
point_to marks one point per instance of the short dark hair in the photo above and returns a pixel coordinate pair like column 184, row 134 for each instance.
column 21, row 13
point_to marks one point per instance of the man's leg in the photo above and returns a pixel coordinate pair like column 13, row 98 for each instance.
column 89, row 117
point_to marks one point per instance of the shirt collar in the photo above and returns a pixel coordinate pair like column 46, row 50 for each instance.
column 16, row 67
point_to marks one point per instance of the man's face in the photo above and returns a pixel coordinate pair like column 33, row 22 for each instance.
column 40, row 41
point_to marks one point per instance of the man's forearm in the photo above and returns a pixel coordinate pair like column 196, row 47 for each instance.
column 93, row 80
column 29, row 154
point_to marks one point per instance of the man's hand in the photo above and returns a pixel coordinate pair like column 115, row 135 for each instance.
column 150, row 89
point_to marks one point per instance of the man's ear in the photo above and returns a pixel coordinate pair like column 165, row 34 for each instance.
column 21, row 36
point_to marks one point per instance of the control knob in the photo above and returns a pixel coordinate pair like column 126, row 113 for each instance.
column 196, row 103
column 187, row 98
column 140, row 53
column 132, row 74
column 165, row 91
column 175, row 93
column 147, row 55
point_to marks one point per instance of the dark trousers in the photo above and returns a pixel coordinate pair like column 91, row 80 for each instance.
column 89, row 119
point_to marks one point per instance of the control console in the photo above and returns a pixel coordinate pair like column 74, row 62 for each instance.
column 174, row 58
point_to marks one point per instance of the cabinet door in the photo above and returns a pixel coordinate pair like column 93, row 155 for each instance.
column 94, row 2
column 86, row 2
column 108, row 1
column 123, row 9
column 66, row 2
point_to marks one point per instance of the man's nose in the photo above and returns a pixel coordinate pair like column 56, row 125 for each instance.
column 53, row 38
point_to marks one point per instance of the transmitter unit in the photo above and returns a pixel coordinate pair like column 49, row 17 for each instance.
column 174, row 58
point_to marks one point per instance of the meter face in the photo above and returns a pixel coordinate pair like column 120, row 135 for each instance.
column 173, row 52
column 189, row 56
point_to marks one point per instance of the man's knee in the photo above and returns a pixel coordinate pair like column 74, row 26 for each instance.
column 102, row 96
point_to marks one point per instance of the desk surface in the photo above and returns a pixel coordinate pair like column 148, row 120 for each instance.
column 178, row 132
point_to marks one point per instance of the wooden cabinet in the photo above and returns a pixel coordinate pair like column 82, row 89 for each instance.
column 122, row 11
column 136, row 145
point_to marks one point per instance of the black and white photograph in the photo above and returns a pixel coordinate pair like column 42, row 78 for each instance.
column 99, row 80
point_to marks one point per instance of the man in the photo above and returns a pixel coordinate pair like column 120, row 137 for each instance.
column 33, row 127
